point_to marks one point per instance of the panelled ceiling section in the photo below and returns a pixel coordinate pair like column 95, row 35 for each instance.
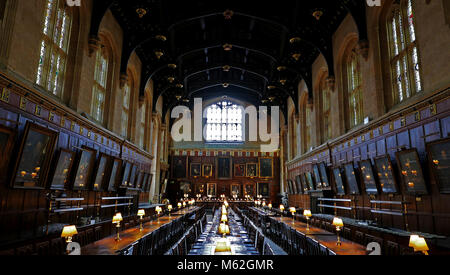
column 253, row 50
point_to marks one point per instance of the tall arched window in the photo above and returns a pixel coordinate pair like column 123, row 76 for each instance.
column 293, row 135
column 308, row 123
column 354, row 92
column 326, row 109
column 143, row 125
column 54, row 47
column 404, row 55
column 100, row 83
column 224, row 122
column 126, row 109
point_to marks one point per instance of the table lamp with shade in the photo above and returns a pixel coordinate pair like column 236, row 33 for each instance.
column 293, row 211
column 116, row 220
column 270, row 207
column 169, row 207
column 184, row 204
column 141, row 214
column 282, row 210
column 180, row 205
column 339, row 224
column 68, row 232
column 226, row 203
column 308, row 215
column 224, row 229
column 419, row 244
column 224, row 219
column 224, row 211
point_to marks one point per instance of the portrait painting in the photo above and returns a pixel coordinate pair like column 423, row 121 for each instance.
column 116, row 170
column 63, row 168
column 266, row 168
column 368, row 177
column 249, row 190
column 212, row 190
column 179, row 167
column 411, row 172
column 7, row 137
column 34, row 157
column 126, row 174
column 139, row 180
column 102, row 172
column 235, row 190
column 252, row 170
column 352, row 182
column 339, row 181
column 224, row 167
column 324, row 175
column 439, row 157
column 200, row 189
column 85, row 168
column 133, row 176
column 263, row 189
column 386, row 175
column 196, row 170
column 144, row 182
column 207, row 170
column 239, row 170
column 149, row 183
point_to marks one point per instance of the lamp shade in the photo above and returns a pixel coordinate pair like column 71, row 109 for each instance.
column 179, row 205
column 224, row 218
column 421, row 245
column 117, row 218
column 184, row 204
column 307, row 213
column 158, row 209
column 170, row 207
column 69, row 231
column 224, row 229
column 141, row 213
column 292, row 210
column 270, row 205
column 338, row 222
column 282, row 207
column 225, row 203
column 264, row 204
column 412, row 240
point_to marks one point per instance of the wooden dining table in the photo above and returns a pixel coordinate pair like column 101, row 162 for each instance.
column 326, row 238
column 109, row 245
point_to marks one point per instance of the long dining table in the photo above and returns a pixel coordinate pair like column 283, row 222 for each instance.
column 326, row 238
column 109, row 245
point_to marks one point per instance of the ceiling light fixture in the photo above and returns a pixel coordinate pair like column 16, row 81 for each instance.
column 226, row 85
column 226, row 68
column 281, row 68
column 227, row 47
column 141, row 12
column 296, row 56
column 228, row 14
column 161, row 37
column 295, row 40
column 172, row 66
column 159, row 54
column 317, row 14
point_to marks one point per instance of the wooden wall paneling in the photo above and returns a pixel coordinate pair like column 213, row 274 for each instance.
column 381, row 147
column 445, row 124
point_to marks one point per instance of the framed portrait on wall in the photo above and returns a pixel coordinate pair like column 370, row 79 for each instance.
column 249, row 190
column 305, row 183
column 339, row 181
column 133, row 175
column 139, row 179
column 263, row 189
column 352, row 182
column 310, row 181
column 212, row 190
column 196, row 170
column 298, row 182
column 317, row 177
column 294, row 187
column 84, row 169
column 102, row 172
column 185, row 187
column 7, row 137
column 224, row 168
column 266, row 168
column 368, row 177
column 144, row 181
column 239, row 170
column 411, row 172
column 61, row 175
column 324, row 175
column 439, row 157
column 126, row 174
column 116, row 171
column 179, row 167
column 34, row 157
column 200, row 189
column 207, row 170
column 289, row 187
column 252, row 170
column 235, row 190
column 386, row 175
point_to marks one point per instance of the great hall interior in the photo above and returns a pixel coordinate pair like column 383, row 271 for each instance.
column 164, row 127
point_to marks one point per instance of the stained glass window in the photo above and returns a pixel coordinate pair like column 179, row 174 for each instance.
column 224, row 122
column 354, row 90
column 54, row 47
column 99, row 87
column 326, row 110
column 143, row 124
column 125, row 109
column 405, row 65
